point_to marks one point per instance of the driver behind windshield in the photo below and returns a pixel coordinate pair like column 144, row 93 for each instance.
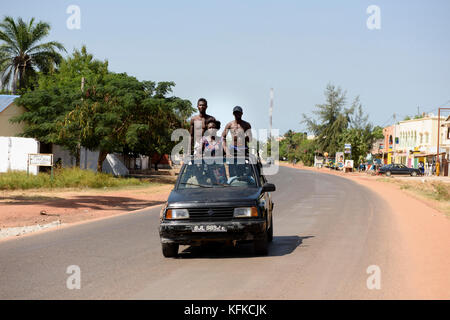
column 241, row 175
column 195, row 176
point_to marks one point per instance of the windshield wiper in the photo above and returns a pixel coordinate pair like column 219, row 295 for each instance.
column 195, row 184
column 221, row 184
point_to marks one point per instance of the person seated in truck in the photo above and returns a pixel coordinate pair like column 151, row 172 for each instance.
column 218, row 174
column 211, row 143
column 241, row 175
column 196, row 177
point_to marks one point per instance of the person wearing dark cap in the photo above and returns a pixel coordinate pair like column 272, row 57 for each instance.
column 240, row 133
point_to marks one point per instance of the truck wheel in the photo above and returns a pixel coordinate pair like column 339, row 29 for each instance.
column 270, row 231
column 261, row 245
column 170, row 250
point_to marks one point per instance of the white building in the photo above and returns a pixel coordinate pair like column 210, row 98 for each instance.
column 417, row 141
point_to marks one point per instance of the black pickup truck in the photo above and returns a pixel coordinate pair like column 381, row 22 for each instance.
column 220, row 200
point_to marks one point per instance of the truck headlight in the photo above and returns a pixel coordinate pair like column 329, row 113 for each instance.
column 177, row 214
column 245, row 212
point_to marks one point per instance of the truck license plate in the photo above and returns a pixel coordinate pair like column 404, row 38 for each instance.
column 209, row 228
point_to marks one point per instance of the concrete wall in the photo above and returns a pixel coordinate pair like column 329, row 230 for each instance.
column 88, row 160
column 14, row 153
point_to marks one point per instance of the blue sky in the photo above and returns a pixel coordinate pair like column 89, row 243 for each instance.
column 233, row 52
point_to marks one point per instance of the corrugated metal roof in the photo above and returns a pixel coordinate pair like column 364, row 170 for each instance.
column 6, row 100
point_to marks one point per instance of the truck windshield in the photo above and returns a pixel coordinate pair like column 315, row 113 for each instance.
column 222, row 175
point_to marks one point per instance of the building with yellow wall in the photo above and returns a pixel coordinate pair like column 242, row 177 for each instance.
column 8, row 110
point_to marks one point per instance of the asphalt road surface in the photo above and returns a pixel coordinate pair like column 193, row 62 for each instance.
column 327, row 232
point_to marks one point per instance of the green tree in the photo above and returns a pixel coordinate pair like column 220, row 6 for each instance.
column 305, row 152
column 378, row 132
column 106, row 113
column 22, row 54
column 55, row 97
column 112, row 113
column 361, row 134
column 290, row 144
column 155, row 121
column 120, row 114
column 333, row 119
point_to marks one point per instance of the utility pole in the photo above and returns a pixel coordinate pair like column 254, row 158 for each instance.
column 270, row 114
column 438, row 143
column 395, row 134
column 437, row 151
column 79, row 145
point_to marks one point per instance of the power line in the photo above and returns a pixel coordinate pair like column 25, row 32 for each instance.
column 387, row 121
column 435, row 108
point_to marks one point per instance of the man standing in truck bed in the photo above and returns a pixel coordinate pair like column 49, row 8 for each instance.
column 241, row 134
column 198, row 126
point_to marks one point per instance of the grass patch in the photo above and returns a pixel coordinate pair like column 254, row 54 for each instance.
column 65, row 178
column 436, row 191
column 441, row 191
column 432, row 190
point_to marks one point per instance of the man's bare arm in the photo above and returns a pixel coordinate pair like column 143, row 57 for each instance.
column 224, row 137
column 191, row 131
column 248, row 132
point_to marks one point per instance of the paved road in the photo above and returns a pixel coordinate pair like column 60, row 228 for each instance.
column 328, row 230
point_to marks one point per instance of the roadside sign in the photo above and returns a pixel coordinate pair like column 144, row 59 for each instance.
column 349, row 163
column 340, row 159
column 347, row 148
column 40, row 159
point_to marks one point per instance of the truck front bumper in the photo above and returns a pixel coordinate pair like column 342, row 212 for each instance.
column 187, row 233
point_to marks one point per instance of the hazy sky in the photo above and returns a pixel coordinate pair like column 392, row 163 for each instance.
column 233, row 52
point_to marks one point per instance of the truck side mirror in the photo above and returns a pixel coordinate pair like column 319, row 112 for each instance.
column 268, row 187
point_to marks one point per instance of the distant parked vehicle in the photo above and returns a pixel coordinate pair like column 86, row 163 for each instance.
column 391, row 169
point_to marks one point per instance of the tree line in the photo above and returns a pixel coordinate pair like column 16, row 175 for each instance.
column 78, row 102
column 333, row 124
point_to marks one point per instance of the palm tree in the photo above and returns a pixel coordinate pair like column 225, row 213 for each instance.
column 22, row 54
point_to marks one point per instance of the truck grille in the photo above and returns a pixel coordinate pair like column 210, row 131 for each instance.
column 211, row 214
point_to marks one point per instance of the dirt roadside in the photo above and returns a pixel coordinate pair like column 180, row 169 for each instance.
column 425, row 230
column 32, row 207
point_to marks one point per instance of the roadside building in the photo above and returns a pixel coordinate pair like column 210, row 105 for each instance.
column 8, row 110
column 444, row 143
column 388, row 133
column 417, row 142
column 377, row 150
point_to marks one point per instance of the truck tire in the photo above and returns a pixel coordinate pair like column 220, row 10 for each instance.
column 170, row 250
column 270, row 231
column 261, row 245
